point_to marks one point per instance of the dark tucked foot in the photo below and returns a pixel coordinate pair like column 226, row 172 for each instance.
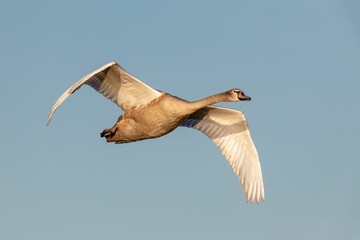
column 108, row 133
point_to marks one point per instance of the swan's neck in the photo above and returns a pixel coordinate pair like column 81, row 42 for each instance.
column 196, row 105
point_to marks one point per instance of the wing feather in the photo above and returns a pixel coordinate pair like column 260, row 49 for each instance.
column 114, row 83
column 228, row 129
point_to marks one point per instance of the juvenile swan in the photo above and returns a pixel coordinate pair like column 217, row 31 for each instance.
column 149, row 113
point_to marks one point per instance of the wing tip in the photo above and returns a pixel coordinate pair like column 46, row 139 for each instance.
column 254, row 193
column 74, row 88
column 48, row 120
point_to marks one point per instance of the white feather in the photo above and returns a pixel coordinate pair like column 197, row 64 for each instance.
column 228, row 129
column 114, row 83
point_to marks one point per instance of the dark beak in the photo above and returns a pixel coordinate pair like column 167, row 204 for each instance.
column 243, row 97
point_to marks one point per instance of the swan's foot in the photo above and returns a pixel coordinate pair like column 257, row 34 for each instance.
column 108, row 133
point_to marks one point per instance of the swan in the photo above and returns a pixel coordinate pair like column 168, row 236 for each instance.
column 149, row 113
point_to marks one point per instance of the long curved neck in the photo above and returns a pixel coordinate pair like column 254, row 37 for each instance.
column 196, row 105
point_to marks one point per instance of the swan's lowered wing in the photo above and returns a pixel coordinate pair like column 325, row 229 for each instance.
column 228, row 129
column 116, row 84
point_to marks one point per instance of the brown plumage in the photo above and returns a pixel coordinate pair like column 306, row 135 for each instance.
column 149, row 113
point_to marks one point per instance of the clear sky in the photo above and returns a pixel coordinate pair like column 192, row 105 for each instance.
column 298, row 60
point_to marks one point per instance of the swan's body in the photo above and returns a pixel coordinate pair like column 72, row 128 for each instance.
column 149, row 113
column 138, row 123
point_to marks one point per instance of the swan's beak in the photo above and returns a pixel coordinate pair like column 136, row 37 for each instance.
column 243, row 97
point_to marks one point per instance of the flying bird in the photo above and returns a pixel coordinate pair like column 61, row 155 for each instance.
column 149, row 113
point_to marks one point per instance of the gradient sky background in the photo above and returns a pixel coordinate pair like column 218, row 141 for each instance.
column 298, row 60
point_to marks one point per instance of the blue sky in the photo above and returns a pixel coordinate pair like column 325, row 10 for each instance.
column 298, row 60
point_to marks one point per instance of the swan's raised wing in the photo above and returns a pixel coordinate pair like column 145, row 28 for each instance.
column 116, row 84
column 228, row 129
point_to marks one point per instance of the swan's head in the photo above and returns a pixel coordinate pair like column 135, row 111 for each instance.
column 236, row 95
